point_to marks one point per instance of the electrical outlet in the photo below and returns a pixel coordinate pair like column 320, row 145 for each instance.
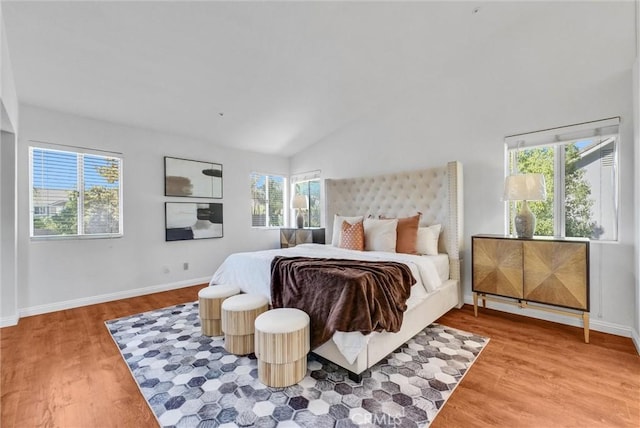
column 185, row 266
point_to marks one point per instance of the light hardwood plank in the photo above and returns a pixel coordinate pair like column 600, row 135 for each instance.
column 536, row 373
column 63, row 370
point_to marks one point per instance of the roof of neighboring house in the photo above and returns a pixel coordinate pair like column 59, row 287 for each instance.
column 601, row 150
column 50, row 196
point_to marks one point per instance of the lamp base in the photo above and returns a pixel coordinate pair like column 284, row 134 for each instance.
column 300, row 220
column 525, row 222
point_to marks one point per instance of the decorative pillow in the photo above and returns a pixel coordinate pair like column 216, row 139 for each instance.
column 352, row 236
column 380, row 235
column 427, row 243
column 407, row 234
column 337, row 227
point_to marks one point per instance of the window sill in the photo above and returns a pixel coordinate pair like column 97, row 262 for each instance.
column 73, row 237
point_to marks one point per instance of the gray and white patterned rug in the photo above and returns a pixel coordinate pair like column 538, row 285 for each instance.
column 189, row 380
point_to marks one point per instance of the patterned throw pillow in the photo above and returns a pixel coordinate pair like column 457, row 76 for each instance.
column 337, row 227
column 352, row 236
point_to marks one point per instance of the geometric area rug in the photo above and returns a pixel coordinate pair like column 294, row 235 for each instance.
column 189, row 380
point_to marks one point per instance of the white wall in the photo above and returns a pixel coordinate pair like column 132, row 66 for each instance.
column 636, row 115
column 66, row 273
column 8, row 242
column 8, row 96
column 465, row 116
column 8, row 126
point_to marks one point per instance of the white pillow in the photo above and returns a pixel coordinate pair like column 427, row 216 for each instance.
column 380, row 235
column 337, row 227
column 427, row 243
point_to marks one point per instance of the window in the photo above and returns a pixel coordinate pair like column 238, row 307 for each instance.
column 267, row 200
column 75, row 192
column 579, row 164
column 308, row 184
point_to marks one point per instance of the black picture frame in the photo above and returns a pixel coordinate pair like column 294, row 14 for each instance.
column 193, row 220
column 192, row 179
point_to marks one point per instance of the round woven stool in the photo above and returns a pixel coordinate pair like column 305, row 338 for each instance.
column 209, row 301
column 282, row 344
column 238, row 315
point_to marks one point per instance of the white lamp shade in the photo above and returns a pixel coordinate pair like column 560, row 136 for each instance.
column 525, row 187
column 300, row 202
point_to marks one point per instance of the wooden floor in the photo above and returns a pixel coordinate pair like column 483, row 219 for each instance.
column 63, row 370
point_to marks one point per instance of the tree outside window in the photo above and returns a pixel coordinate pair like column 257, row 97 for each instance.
column 75, row 193
column 267, row 200
column 311, row 189
column 581, row 180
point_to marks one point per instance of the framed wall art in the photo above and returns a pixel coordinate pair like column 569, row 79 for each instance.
column 192, row 220
column 195, row 179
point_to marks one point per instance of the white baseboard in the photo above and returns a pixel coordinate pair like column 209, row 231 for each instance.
column 9, row 321
column 636, row 339
column 102, row 298
column 594, row 324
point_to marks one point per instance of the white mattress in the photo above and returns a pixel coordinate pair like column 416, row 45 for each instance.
column 251, row 271
column 441, row 262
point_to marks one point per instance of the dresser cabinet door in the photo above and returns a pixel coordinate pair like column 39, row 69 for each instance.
column 287, row 238
column 304, row 236
column 290, row 237
column 497, row 267
column 556, row 273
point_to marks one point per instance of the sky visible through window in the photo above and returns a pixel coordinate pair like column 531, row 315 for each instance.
column 262, row 178
column 582, row 144
column 59, row 170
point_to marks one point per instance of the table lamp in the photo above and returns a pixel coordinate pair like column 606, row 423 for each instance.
column 300, row 202
column 525, row 187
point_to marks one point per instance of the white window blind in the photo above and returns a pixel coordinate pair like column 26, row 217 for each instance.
column 565, row 134
column 75, row 192
column 305, row 176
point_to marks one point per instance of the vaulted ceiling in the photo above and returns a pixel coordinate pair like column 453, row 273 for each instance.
column 275, row 77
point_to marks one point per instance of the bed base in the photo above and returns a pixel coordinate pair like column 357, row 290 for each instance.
column 354, row 377
column 382, row 344
column 437, row 193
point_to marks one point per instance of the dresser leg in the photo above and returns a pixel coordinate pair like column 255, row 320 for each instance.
column 475, row 304
column 585, row 322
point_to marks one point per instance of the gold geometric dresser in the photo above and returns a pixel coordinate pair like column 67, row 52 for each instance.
column 290, row 237
column 550, row 271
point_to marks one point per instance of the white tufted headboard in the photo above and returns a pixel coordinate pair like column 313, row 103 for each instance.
column 435, row 192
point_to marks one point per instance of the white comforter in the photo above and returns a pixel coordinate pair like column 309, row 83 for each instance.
column 251, row 271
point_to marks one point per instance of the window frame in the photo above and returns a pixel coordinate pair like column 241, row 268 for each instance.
column 306, row 177
column 80, row 153
column 284, row 199
column 559, row 139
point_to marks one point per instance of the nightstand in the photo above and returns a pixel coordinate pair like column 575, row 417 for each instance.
column 550, row 271
column 290, row 237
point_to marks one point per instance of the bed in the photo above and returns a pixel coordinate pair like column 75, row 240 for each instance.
column 436, row 193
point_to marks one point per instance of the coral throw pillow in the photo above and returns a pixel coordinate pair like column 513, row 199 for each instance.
column 352, row 236
column 407, row 234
